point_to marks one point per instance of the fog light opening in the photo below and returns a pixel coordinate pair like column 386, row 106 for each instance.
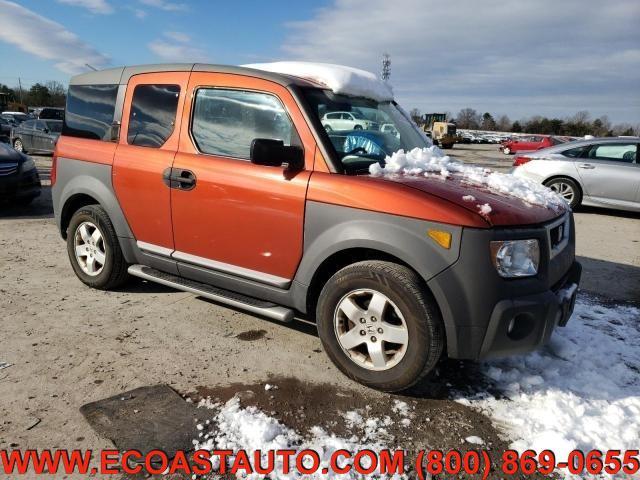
column 520, row 326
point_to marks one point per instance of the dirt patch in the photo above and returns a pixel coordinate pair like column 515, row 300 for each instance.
column 251, row 335
column 427, row 423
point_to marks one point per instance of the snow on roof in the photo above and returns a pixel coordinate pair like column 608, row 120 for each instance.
column 433, row 161
column 338, row 78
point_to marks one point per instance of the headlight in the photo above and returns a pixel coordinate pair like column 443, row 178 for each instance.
column 516, row 258
column 28, row 164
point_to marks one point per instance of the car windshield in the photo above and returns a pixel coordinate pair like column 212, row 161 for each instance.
column 54, row 127
column 379, row 128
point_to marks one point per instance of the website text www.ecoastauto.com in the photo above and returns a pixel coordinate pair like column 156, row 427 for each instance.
column 310, row 462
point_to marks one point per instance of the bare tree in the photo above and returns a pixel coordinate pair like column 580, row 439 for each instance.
column 468, row 118
column 503, row 124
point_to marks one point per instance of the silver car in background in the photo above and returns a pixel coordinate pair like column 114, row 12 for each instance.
column 599, row 172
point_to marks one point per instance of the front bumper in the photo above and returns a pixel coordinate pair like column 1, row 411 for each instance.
column 486, row 315
column 20, row 185
column 524, row 323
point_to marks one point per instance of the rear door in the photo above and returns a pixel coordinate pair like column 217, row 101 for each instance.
column 26, row 134
column 148, row 143
column 238, row 217
column 610, row 172
column 40, row 136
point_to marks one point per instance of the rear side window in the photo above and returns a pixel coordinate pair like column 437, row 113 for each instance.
column 90, row 111
column 153, row 114
column 225, row 122
column 615, row 152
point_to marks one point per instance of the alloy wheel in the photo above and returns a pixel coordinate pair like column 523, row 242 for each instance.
column 89, row 248
column 17, row 146
column 370, row 329
column 564, row 190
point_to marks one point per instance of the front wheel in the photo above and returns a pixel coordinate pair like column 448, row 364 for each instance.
column 358, row 127
column 18, row 146
column 567, row 189
column 93, row 249
column 379, row 325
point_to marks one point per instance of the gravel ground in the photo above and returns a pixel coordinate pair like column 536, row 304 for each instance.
column 70, row 345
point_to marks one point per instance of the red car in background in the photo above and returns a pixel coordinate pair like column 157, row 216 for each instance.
column 531, row 142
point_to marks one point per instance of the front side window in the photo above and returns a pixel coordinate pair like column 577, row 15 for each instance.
column 90, row 110
column 614, row 152
column 153, row 114
column 28, row 125
column 225, row 122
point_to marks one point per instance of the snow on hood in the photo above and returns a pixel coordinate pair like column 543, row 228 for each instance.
column 432, row 161
column 339, row 78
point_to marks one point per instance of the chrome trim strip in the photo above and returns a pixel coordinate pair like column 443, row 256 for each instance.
column 281, row 314
column 155, row 249
column 247, row 273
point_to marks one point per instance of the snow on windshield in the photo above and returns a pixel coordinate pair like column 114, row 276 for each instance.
column 339, row 78
column 432, row 161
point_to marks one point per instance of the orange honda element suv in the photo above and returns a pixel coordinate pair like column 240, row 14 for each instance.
column 223, row 181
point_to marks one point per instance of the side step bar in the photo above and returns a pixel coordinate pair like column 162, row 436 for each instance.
column 233, row 299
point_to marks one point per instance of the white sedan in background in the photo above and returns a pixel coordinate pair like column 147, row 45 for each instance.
column 599, row 172
column 347, row 121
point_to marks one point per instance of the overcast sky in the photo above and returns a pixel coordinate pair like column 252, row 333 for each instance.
column 519, row 58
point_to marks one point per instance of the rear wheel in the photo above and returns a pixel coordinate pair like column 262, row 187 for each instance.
column 506, row 150
column 567, row 189
column 379, row 326
column 93, row 249
column 358, row 127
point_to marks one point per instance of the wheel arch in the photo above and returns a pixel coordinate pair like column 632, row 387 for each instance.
column 574, row 179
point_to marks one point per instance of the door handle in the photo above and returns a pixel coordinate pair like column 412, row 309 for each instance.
column 179, row 178
column 586, row 166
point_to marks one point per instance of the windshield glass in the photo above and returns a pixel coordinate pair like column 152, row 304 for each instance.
column 376, row 130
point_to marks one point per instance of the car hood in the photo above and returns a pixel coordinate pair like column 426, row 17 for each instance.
column 505, row 209
column 8, row 154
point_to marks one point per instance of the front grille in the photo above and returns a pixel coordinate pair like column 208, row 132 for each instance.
column 8, row 168
column 558, row 234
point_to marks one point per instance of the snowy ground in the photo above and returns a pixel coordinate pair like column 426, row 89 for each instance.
column 582, row 391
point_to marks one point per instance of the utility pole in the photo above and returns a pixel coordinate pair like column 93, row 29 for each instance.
column 386, row 66
column 20, row 90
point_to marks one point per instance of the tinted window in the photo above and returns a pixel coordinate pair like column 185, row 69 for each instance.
column 40, row 125
column 54, row 126
column 153, row 114
column 614, row 151
column 28, row 125
column 90, row 111
column 225, row 122
column 575, row 152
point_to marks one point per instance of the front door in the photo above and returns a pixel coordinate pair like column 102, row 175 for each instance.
column 610, row 172
column 234, row 216
column 148, row 143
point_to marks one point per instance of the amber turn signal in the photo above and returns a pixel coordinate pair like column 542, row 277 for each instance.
column 441, row 237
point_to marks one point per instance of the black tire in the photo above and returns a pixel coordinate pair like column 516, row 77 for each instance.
column 328, row 128
column 404, row 288
column 556, row 183
column 358, row 127
column 114, row 271
column 19, row 140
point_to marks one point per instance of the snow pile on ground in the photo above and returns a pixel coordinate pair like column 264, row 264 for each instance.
column 432, row 160
column 338, row 78
column 235, row 427
column 582, row 391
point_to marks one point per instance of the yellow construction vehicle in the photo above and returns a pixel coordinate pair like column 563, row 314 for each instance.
column 442, row 133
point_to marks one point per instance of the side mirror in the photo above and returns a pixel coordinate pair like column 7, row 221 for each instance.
column 274, row 153
column 45, row 130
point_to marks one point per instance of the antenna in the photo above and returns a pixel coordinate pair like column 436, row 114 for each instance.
column 91, row 67
column 386, row 66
